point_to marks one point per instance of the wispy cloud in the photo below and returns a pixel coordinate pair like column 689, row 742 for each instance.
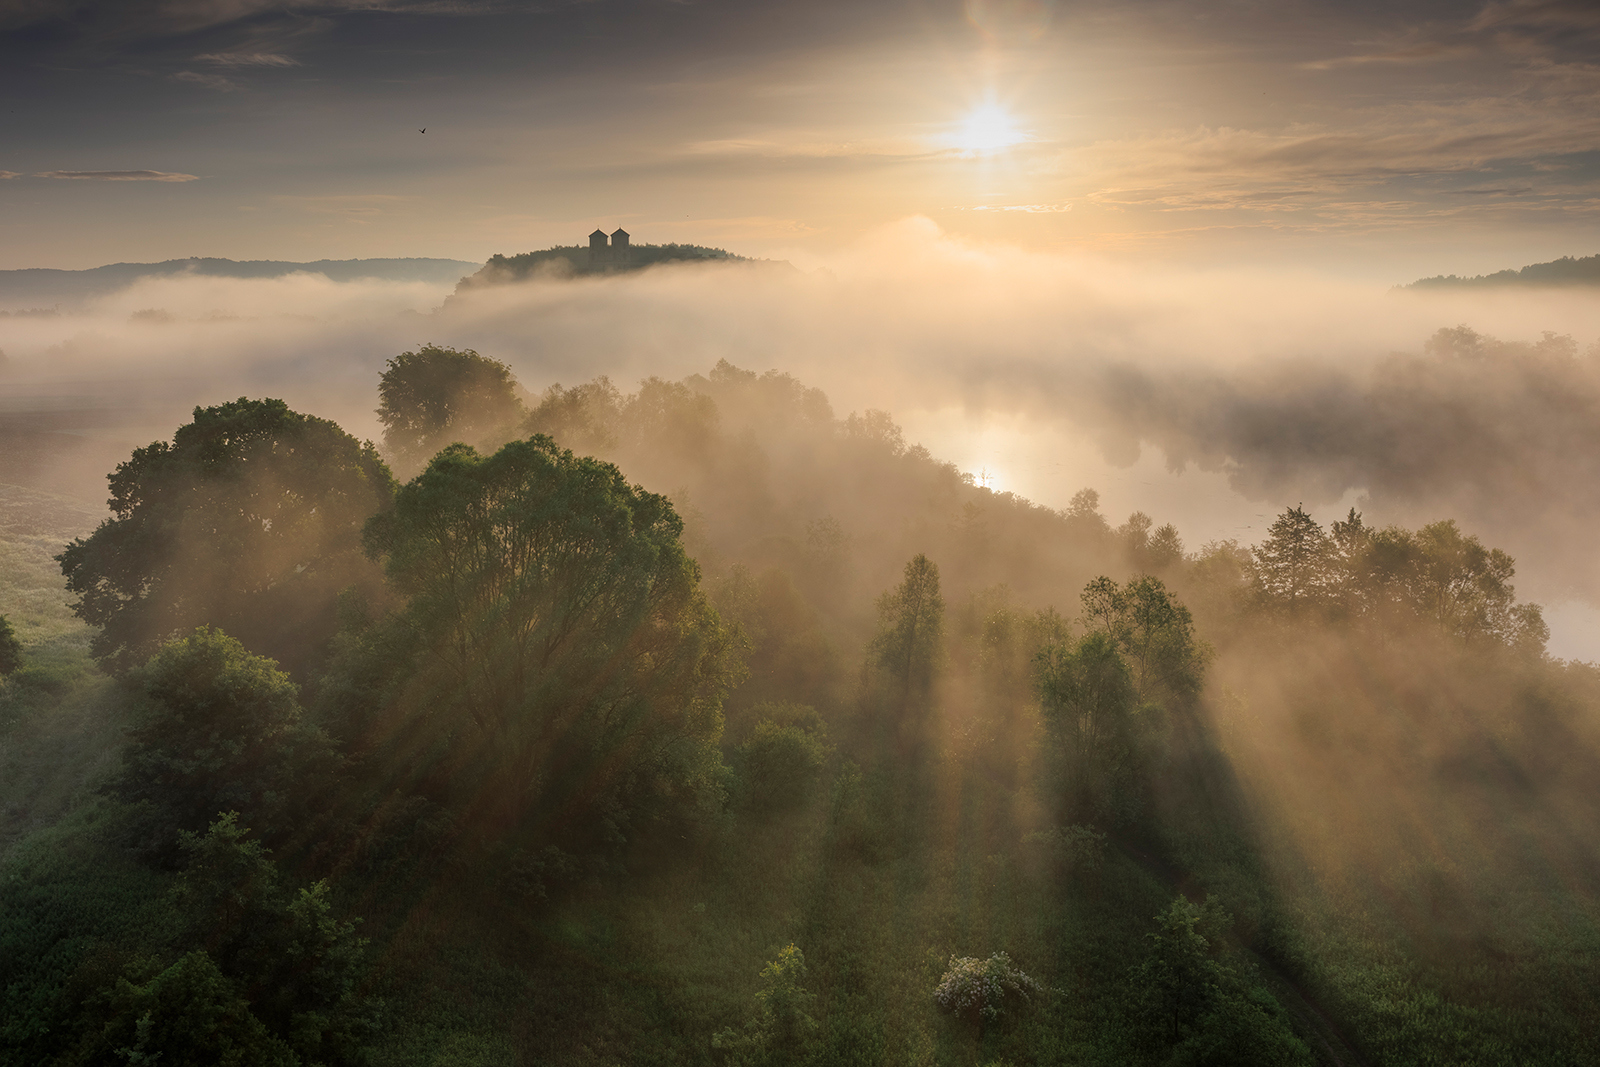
column 1533, row 29
column 210, row 81
column 117, row 175
column 4, row 174
column 1029, row 209
column 248, row 59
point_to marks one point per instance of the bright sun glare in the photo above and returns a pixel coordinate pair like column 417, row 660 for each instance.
column 987, row 128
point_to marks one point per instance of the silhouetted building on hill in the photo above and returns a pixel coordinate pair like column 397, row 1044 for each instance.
column 609, row 254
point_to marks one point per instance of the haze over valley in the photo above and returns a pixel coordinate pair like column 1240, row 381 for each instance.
column 990, row 533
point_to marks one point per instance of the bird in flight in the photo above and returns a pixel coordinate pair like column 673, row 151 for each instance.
column 423, row 130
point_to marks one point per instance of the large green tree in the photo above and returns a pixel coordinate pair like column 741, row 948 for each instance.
column 434, row 396
column 570, row 672
column 249, row 519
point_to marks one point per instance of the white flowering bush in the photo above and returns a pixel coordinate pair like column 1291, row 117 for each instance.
column 976, row 989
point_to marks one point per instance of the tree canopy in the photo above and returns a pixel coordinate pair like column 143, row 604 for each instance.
column 567, row 656
column 435, row 395
column 249, row 519
column 220, row 729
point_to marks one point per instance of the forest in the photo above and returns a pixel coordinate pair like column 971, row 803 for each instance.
column 697, row 724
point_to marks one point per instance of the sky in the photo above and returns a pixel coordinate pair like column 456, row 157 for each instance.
column 1379, row 141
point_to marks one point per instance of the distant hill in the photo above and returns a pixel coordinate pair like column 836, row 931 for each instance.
column 1560, row 272
column 571, row 260
column 43, row 288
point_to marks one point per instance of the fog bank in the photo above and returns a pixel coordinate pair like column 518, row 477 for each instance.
column 1212, row 399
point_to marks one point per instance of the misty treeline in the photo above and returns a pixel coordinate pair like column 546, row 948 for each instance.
column 1500, row 435
column 473, row 749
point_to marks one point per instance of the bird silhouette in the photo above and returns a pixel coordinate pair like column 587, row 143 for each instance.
column 423, row 130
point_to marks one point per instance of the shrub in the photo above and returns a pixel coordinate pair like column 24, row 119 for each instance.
column 779, row 1027
column 10, row 648
column 781, row 761
column 221, row 729
column 977, row 989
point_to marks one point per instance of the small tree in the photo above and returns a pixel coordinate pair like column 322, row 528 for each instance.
column 780, row 1027
column 220, row 729
column 910, row 636
column 1153, row 631
column 10, row 648
column 285, row 950
column 979, row 990
column 1293, row 565
column 1179, row 981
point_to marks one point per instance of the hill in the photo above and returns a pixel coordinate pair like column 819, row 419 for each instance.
column 564, row 261
column 1559, row 272
column 44, row 288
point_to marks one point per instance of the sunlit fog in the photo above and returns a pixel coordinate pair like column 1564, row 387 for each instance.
column 959, row 533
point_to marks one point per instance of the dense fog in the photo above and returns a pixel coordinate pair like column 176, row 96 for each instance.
column 1210, row 399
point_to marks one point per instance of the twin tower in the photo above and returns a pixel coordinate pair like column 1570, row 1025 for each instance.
column 609, row 255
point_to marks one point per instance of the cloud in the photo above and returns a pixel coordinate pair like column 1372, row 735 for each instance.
column 1540, row 30
column 210, row 81
column 248, row 59
column 4, row 174
column 118, row 175
column 154, row 17
column 1030, row 209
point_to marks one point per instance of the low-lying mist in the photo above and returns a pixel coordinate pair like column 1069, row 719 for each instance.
column 1208, row 399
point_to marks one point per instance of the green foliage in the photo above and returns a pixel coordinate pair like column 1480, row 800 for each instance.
column 1393, row 578
column 567, row 660
column 783, row 758
column 434, row 396
column 1179, row 980
column 1153, row 631
column 10, row 648
column 1094, row 727
column 780, row 1029
column 188, row 1015
column 980, row 989
column 584, row 418
column 1291, row 564
column 250, row 520
column 909, row 645
column 1076, row 849
column 219, row 729
column 1194, row 1002
column 286, row 951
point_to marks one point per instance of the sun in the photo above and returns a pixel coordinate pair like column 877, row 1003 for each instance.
column 985, row 129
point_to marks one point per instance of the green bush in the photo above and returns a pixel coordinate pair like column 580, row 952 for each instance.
column 782, row 760
column 220, row 729
column 10, row 648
